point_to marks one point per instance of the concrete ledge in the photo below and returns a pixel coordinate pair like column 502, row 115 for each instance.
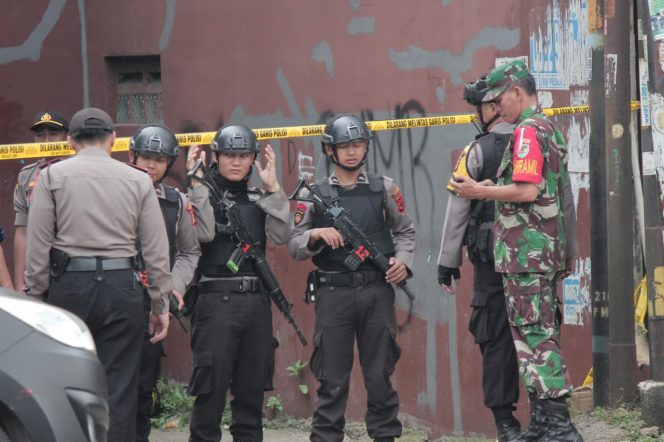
column 652, row 402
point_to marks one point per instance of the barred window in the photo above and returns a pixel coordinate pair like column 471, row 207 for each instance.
column 139, row 98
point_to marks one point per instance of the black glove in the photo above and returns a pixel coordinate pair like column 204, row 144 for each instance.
column 445, row 275
column 2, row 235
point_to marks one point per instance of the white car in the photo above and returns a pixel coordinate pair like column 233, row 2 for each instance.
column 52, row 386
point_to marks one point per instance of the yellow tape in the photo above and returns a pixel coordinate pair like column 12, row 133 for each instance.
column 588, row 381
column 641, row 305
column 39, row 150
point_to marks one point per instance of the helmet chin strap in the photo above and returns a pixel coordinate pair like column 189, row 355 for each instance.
column 335, row 160
column 486, row 124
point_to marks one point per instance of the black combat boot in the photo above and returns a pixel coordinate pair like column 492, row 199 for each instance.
column 559, row 426
column 384, row 439
column 538, row 420
column 509, row 429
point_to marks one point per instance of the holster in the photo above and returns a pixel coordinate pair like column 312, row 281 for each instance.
column 190, row 298
column 59, row 261
column 313, row 282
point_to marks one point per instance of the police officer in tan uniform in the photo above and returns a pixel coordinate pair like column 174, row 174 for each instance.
column 360, row 304
column 47, row 127
column 470, row 224
column 231, row 338
column 155, row 148
column 87, row 214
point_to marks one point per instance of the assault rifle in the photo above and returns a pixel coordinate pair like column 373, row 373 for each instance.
column 173, row 309
column 177, row 313
column 246, row 247
column 358, row 245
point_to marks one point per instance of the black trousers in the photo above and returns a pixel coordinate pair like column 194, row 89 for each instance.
column 491, row 329
column 150, row 367
column 232, row 346
column 113, row 311
column 342, row 315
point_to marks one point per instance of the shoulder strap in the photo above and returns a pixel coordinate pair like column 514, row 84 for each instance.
column 375, row 182
column 171, row 194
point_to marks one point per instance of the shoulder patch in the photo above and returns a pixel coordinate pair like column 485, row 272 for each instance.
column 300, row 210
column 190, row 211
column 397, row 196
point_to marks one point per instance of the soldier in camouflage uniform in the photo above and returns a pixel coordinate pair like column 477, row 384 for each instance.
column 532, row 248
column 470, row 224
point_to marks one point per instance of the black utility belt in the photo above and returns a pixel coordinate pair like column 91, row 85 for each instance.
column 91, row 264
column 245, row 284
column 349, row 279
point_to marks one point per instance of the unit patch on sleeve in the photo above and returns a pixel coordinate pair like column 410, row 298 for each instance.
column 528, row 159
column 190, row 211
column 300, row 210
column 397, row 196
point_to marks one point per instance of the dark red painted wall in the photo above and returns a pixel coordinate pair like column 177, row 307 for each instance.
column 269, row 64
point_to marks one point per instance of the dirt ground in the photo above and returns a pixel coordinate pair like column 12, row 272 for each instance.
column 592, row 429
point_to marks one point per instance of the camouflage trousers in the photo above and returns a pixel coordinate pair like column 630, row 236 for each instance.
column 532, row 312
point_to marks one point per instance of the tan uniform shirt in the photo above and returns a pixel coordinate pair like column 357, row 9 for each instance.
column 187, row 247
column 25, row 183
column 400, row 224
column 92, row 205
column 458, row 210
column 275, row 205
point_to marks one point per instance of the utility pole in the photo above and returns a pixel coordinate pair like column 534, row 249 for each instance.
column 598, row 234
column 612, row 205
column 620, row 201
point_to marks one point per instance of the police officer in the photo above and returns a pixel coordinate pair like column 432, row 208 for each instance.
column 535, row 245
column 154, row 148
column 47, row 127
column 358, row 304
column 232, row 318
column 470, row 224
column 87, row 213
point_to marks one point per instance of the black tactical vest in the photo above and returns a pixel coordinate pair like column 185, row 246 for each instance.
column 171, row 210
column 479, row 236
column 367, row 205
column 215, row 254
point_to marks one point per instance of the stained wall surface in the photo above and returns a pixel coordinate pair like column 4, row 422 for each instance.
column 295, row 62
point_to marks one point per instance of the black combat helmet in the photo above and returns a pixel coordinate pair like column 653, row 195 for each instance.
column 157, row 140
column 235, row 138
column 344, row 129
column 474, row 92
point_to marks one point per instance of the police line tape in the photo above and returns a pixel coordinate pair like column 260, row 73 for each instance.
column 39, row 150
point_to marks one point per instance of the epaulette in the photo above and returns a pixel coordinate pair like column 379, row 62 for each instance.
column 47, row 163
column 137, row 167
column 171, row 193
column 36, row 164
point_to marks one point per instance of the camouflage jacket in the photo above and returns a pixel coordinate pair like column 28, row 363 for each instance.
column 530, row 237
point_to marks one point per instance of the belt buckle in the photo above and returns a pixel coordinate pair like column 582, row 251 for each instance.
column 357, row 279
column 241, row 286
